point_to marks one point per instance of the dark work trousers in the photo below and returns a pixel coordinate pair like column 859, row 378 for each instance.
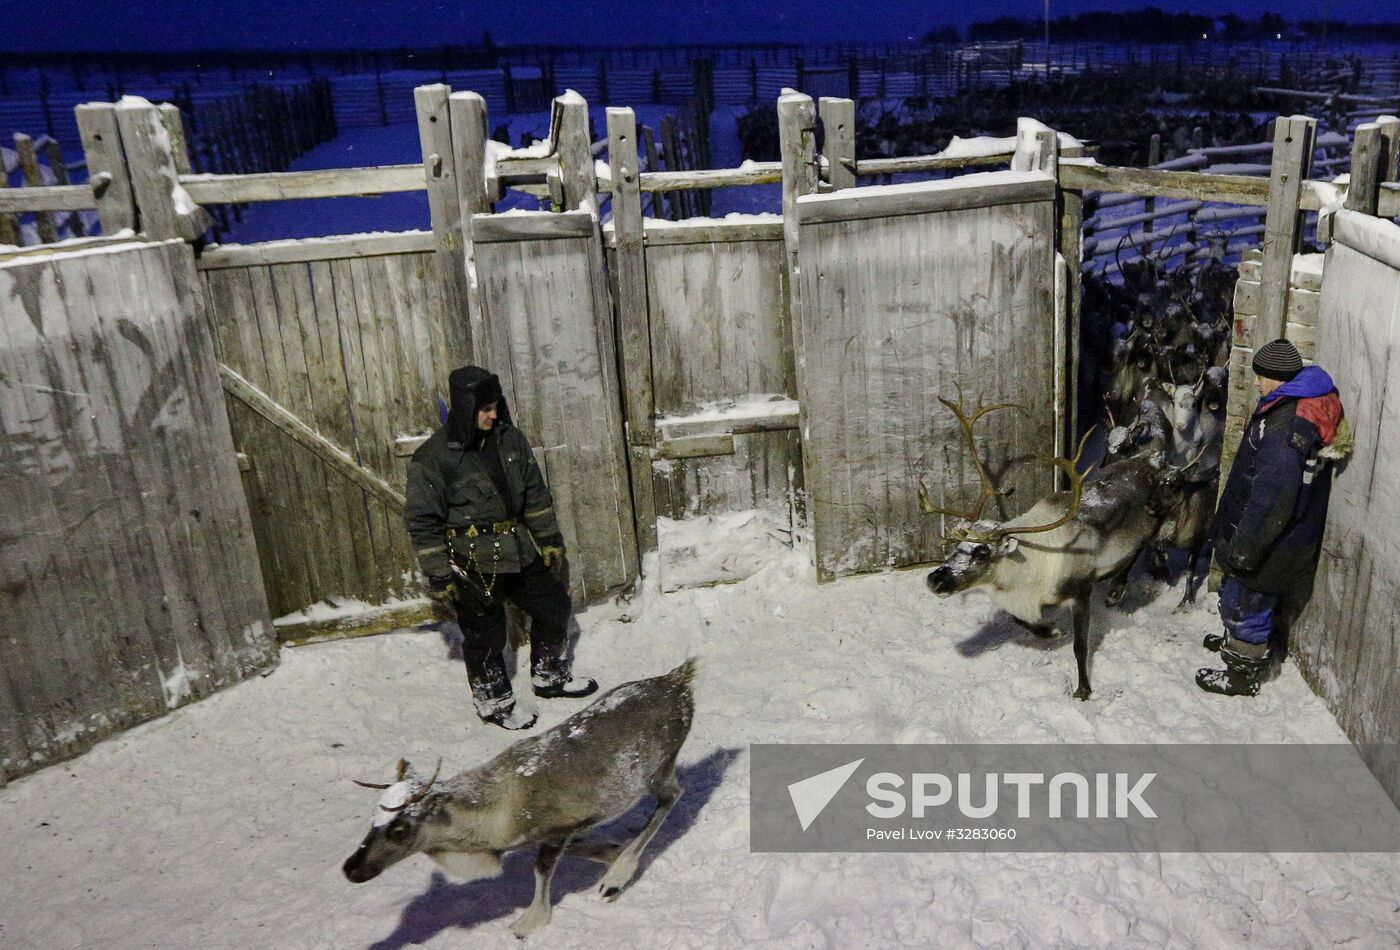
column 1254, row 617
column 545, row 599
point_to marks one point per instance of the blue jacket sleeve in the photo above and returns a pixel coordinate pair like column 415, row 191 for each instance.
column 1278, row 467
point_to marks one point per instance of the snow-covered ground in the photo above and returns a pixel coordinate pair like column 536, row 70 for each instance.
column 225, row 823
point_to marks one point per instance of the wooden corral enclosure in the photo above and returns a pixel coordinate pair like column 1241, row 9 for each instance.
column 668, row 371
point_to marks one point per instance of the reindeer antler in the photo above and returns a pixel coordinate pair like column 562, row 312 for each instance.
column 988, row 490
column 417, row 796
column 401, row 771
column 1076, row 481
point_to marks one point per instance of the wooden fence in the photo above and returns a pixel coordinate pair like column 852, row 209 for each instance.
column 661, row 366
column 1347, row 642
column 127, row 557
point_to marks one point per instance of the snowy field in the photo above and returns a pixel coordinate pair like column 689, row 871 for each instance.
column 225, row 824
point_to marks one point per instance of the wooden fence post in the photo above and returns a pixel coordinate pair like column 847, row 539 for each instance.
column 9, row 225
column 29, row 166
column 1071, row 247
column 467, row 112
column 1291, row 165
column 1390, row 156
column 568, row 130
column 59, row 167
column 1367, row 153
column 839, row 127
column 175, row 129
column 106, row 165
column 154, row 174
column 444, row 209
column 633, row 317
column 797, row 143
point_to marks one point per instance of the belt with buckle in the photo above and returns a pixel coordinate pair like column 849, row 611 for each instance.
column 495, row 527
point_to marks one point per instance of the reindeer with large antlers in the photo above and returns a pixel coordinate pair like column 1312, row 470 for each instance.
column 1044, row 563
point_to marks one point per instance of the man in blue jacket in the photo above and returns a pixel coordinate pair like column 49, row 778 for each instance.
column 1269, row 524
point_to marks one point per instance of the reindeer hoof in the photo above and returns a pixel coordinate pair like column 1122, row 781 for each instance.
column 1083, row 693
column 1186, row 606
column 527, row 923
column 609, row 892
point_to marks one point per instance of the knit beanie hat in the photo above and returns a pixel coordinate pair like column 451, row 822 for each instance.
column 1277, row 359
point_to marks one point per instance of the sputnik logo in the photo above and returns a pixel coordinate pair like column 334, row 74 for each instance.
column 811, row 795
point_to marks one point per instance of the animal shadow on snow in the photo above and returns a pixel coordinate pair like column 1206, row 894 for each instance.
column 1003, row 628
column 448, row 904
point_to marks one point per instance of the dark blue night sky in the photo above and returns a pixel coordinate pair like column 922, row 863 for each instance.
column 192, row 24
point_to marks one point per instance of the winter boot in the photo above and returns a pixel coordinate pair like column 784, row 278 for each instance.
column 1213, row 642
column 552, row 679
column 1246, row 665
column 502, row 711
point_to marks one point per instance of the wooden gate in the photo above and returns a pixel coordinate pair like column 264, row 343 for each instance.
column 547, row 322
column 905, row 292
column 128, row 576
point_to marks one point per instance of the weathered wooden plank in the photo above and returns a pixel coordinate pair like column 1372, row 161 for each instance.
column 153, row 172
column 435, row 137
column 908, row 164
column 108, row 176
column 839, row 125
column 175, row 128
column 633, row 317
column 318, row 183
column 468, row 114
column 1085, row 174
column 1292, row 162
column 315, row 249
column 532, row 226
column 1071, row 248
column 918, row 198
column 568, row 133
column 692, row 446
column 755, row 173
column 46, row 198
column 1367, row 152
column 298, row 430
column 659, row 233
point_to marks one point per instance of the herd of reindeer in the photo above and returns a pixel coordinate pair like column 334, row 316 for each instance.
column 1155, row 490
column 1166, row 389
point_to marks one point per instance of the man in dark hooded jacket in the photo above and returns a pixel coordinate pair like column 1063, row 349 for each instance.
column 1269, row 524
column 482, row 524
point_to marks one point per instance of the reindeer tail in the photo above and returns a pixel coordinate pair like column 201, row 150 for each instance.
column 684, row 675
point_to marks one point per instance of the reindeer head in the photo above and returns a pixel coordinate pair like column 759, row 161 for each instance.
column 977, row 543
column 398, row 827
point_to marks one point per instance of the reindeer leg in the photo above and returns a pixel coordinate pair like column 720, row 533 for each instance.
column 1080, row 608
column 626, row 864
column 1119, row 586
column 538, row 913
column 1193, row 580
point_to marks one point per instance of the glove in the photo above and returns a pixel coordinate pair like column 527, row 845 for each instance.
column 442, row 592
column 553, row 555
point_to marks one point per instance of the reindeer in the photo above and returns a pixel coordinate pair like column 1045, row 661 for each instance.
column 1046, row 561
column 1180, row 426
column 548, row 790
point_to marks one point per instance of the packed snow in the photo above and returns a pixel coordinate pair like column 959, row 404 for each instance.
column 225, row 823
